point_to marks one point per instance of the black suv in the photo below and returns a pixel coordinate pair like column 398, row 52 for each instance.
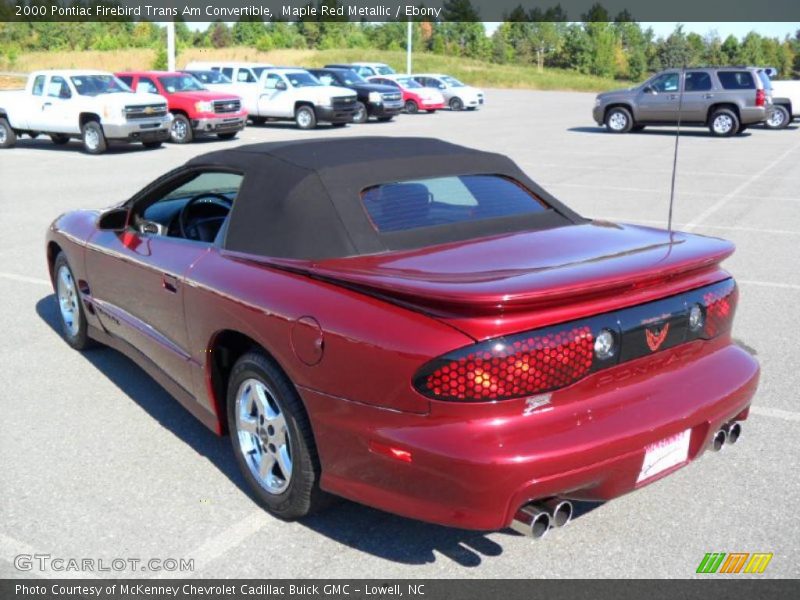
column 374, row 100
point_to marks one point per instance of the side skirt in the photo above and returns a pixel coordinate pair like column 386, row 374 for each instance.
column 205, row 416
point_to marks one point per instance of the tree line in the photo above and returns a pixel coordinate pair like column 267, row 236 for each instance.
column 599, row 44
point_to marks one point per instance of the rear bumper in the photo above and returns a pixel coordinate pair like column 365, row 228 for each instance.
column 335, row 115
column 755, row 114
column 473, row 465
column 221, row 124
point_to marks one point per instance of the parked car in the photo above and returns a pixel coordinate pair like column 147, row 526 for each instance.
column 365, row 69
column 415, row 97
column 413, row 325
column 93, row 106
column 195, row 110
column 374, row 100
column 725, row 99
column 786, row 104
column 215, row 81
column 457, row 95
column 242, row 74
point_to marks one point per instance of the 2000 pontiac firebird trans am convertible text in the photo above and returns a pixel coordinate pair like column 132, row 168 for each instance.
column 413, row 325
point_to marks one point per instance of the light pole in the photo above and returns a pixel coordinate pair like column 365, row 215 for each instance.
column 170, row 46
column 408, row 49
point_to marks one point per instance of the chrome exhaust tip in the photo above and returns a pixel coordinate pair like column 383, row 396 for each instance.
column 734, row 430
column 560, row 511
column 531, row 520
column 719, row 439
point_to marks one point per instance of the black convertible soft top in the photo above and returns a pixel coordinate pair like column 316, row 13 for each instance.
column 301, row 199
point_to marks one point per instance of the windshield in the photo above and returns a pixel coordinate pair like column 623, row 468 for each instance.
column 181, row 83
column 93, row 85
column 452, row 81
column 764, row 76
column 302, row 79
column 407, row 82
column 384, row 70
column 211, row 77
column 351, row 77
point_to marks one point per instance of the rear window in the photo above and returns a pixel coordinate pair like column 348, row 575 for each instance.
column 408, row 205
column 736, row 80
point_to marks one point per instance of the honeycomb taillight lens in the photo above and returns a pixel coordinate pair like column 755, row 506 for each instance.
column 720, row 306
column 513, row 367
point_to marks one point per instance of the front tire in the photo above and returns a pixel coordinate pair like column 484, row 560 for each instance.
column 70, row 306
column 723, row 123
column 94, row 140
column 780, row 118
column 305, row 117
column 619, row 120
column 412, row 107
column 180, row 132
column 361, row 115
column 456, row 104
column 7, row 136
column 272, row 439
column 59, row 139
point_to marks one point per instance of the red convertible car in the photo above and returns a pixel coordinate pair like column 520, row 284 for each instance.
column 413, row 325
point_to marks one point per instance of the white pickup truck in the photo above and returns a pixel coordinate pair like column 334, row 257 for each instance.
column 287, row 94
column 93, row 106
column 785, row 104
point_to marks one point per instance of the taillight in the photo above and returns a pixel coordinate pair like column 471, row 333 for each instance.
column 551, row 358
column 761, row 98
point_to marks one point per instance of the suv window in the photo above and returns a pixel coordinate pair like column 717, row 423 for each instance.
column 38, row 85
column 444, row 200
column 736, row 80
column 697, row 81
column 665, row 83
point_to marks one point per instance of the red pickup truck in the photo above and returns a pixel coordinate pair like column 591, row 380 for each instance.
column 195, row 110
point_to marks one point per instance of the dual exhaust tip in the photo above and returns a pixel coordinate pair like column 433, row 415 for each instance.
column 727, row 434
column 537, row 518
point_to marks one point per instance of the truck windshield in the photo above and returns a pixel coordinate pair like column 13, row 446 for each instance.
column 94, row 85
column 351, row 77
column 210, row 76
column 302, row 79
column 180, row 83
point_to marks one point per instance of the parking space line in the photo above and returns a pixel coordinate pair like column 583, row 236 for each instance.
column 746, row 183
column 10, row 548
column 769, row 284
column 777, row 413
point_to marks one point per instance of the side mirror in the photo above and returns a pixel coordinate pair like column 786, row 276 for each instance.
column 114, row 219
column 281, row 85
column 649, row 90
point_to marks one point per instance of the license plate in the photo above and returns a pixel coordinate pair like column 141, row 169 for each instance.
column 664, row 454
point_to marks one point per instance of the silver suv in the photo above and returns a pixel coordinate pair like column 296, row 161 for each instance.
column 725, row 99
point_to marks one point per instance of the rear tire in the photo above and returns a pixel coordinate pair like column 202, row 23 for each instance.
column 412, row 107
column 272, row 439
column 723, row 123
column 305, row 117
column 258, row 120
column 338, row 124
column 780, row 118
column 94, row 140
column 7, row 136
column 637, row 128
column 70, row 305
column 619, row 120
column 385, row 119
column 227, row 136
column 431, row 111
column 59, row 139
column 180, row 132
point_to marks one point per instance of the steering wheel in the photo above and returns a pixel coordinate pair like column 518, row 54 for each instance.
column 193, row 230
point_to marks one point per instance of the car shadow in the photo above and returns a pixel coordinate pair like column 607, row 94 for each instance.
column 74, row 146
column 694, row 132
column 356, row 526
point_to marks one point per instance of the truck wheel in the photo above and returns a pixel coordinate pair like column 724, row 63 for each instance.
column 59, row 139
column 456, row 104
column 779, row 119
column 412, row 107
column 385, row 119
column 94, row 140
column 7, row 136
column 619, row 120
column 152, row 145
column 723, row 123
column 305, row 117
column 272, row 439
column 361, row 115
column 258, row 120
column 227, row 136
column 180, row 131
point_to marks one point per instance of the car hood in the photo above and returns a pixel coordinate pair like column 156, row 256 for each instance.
column 375, row 87
column 533, row 269
column 615, row 94
column 466, row 90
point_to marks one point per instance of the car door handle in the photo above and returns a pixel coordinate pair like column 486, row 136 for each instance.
column 673, row 97
column 707, row 96
column 169, row 283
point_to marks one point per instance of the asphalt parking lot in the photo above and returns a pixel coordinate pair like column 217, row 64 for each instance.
column 96, row 461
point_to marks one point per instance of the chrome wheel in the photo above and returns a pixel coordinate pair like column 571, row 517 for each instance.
column 722, row 124
column 777, row 119
column 264, row 438
column 68, row 301
column 617, row 121
column 91, row 137
column 3, row 135
column 304, row 119
column 179, row 130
